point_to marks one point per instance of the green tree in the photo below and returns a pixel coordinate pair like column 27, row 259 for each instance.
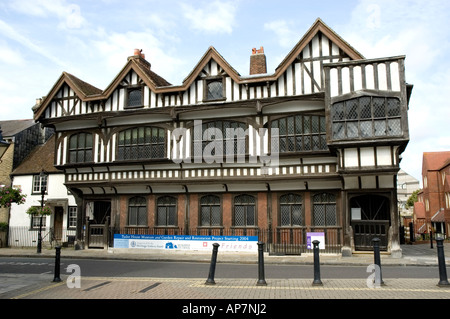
column 412, row 199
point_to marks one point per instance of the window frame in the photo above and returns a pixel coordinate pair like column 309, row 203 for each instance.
column 129, row 90
column 35, row 221
column 325, row 204
column 72, row 220
column 352, row 127
column 245, row 205
column 200, row 219
column 301, row 132
column 140, row 209
column 207, row 82
column 302, row 210
column 88, row 137
column 239, row 124
column 158, row 206
column 138, row 145
column 37, row 190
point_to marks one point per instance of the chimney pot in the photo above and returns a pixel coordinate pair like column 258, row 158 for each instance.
column 258, row 64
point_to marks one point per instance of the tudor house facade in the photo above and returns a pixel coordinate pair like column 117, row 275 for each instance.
column 133, row 154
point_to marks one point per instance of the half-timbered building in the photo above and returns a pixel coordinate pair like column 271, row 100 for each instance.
column 312, row 147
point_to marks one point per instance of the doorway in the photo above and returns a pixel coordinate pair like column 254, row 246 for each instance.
column 370, row 218
column 58, row 223
column 99, row 213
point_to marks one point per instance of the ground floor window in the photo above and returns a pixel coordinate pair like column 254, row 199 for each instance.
column 291, row 213
column 244, row 210
column 36, row 220
column 324, row 210
column 137, row 211
column 210, row 211
column 166, row 211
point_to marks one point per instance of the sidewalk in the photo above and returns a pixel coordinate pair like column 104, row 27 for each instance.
column 193, row 291
column 419, row 255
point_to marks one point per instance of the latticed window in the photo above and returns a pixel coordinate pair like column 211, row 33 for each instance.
column 137, row 211
column 291, row 212
column 244, row 210
column 134, row 97
column 141, row 143
column 210, row 211
column 80, row 148
column 324, row 210
column 214, row 90
column 166, row 211
column 366, row 117
column 301, row 133
column 220, row 138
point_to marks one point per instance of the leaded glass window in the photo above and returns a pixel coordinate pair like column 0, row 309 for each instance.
column 244, row 210
column 301, row 133
column 366, row 117
column 214, row 90
column 220, row 138
column 134, row 97
column 166, row 211
column 80, row 148
column 137, row 211
column 324, row 210
column 210, row 211
column 291, row 212
column 141, row 143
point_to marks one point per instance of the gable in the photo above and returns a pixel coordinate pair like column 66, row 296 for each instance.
column 300, row 73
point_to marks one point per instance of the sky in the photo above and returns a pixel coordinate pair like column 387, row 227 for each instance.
column 40, row 39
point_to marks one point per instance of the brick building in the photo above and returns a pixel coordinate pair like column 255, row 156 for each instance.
column 313, row 147
column 20, row 137
column 432, row 211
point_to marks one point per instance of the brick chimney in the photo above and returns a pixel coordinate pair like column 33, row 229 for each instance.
column 258, row 63
column 141, row 56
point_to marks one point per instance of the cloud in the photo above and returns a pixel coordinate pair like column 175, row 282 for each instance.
column 69, row 14
column 116, row 47
column 214, row 17
column 284, row 32
column 14, row 35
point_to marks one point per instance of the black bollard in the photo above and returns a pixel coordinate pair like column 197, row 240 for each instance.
column 431, row 238
column 443, row 281
column 212, row 268
column 317, row 281
column 377, row 261
column 261, row 279
column 411, row 233
column 56, row 277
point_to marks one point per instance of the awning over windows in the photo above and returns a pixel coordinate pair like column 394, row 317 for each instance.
column 439, row 217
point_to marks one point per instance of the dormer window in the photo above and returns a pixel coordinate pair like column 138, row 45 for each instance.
column 214, row 89
column 135, row 97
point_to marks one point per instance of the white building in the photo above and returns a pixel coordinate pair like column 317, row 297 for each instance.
column 61, row 224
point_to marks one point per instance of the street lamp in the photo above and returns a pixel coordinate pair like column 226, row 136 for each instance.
column 43, row 189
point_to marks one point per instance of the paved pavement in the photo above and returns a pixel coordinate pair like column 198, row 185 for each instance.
column 192, row 291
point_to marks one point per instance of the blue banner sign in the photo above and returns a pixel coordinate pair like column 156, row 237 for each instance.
column 186, row 242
